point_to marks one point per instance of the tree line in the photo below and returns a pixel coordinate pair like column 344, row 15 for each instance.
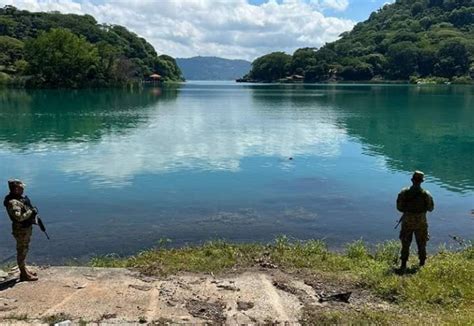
column 417, row 40
column 65, row 50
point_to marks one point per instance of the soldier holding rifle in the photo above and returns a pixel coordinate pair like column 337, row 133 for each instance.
column 23, row 215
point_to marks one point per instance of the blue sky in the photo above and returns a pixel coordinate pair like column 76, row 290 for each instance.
column 243, row 29
column 357, row 10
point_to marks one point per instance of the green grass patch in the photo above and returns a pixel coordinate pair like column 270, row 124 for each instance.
column 444, row 286
column 57, row 318
column 18, row 317
column 310, row 316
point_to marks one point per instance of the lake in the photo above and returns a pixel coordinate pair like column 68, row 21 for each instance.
column 115, row 171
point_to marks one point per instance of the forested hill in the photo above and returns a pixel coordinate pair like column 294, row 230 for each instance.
column 212, row 68
column 421, row 40
column 65, row 50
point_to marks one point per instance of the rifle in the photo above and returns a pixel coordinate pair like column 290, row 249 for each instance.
column 38, row 219
column 41, row 226
column 399, row 221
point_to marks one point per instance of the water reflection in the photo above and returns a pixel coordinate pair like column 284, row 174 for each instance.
column 213, row 127
column 426, row 127
column 198, row 132
column 29, row 117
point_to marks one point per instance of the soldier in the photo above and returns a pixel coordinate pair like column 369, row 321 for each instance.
column 23, row 216
column 414, row 202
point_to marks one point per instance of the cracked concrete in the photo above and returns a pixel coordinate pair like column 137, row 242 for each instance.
column 118, row 296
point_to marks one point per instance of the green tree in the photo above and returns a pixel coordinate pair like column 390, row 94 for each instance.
column 403, row 59
column 360, row 71
column 303, row 58
column 11, row 50
column 60, row 58
column 426, row 61
column 377, row 61
column 320, row 72
column 401, row 40
column 271, row 67
column 462, row 17
column 123, row 56
column 166, row 66
column 453, row 59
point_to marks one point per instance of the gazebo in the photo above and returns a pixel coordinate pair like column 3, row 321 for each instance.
column 155, row 77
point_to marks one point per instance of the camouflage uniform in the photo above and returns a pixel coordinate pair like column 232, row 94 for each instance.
column 22, row 217
column 414, row 202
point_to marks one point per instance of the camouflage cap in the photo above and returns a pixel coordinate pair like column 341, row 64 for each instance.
column 15, row 182
column 418, row 175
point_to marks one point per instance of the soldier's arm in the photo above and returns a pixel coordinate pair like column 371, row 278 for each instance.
column 18, row 211
column 400, row 202
column 429, row 202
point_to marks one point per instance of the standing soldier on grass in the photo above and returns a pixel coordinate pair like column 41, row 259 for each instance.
column 414, row 202
column 23, row 216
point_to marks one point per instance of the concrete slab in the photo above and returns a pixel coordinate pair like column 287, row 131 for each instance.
column 118, row 296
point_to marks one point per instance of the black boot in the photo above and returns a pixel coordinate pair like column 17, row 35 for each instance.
column 422, row 262
column 403, row 266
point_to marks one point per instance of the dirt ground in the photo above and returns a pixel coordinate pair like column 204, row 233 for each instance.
column 119, row 296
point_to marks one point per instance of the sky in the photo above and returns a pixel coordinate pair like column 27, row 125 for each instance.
column 235, row 29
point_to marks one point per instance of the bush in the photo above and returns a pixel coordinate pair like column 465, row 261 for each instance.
column 357, row 250
column 4, row 78
column 463, row 80
column 388, row 252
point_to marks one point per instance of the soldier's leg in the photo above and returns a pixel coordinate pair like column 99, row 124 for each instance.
column 406, row 236
column 23, row 237
column 421, row 237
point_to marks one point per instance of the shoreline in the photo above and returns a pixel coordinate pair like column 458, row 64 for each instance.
column 241, row 283
column 367, row 82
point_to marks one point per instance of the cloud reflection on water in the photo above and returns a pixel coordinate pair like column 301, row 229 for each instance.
column 194, row 134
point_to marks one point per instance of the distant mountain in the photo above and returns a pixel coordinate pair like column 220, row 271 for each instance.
column 212, row 68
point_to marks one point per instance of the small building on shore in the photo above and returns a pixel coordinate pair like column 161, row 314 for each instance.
column 155, row 77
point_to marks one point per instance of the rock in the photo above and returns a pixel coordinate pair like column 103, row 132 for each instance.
column 268, row 265
column 8, row 300
column 228, row 287
column 140, row 287
column 7, row 308
column 3, row 274
column 207, row 310
column 78, row 287
column 244, row 305
column 146, row 279
column 342, row 297
column 64, row 323
column 109, row 316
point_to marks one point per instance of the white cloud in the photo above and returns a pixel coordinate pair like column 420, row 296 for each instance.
column 332, row 4
column 231, row 28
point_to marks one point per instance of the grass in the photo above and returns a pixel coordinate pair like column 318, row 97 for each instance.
column 57, row 318
column 18, row 317
column 364, row 317
column 440, row 292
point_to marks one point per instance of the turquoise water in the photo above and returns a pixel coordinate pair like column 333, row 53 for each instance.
column 113, row 171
